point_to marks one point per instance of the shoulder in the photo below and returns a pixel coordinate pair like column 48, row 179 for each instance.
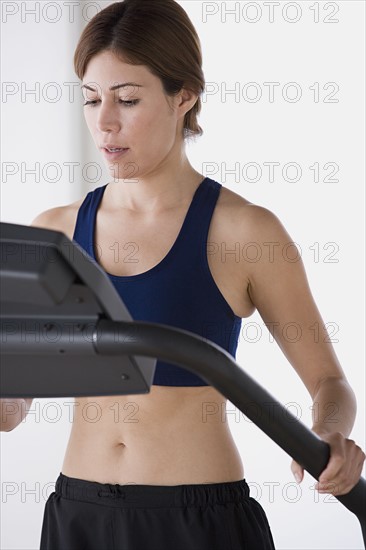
column 248, row 220
column 59, row 218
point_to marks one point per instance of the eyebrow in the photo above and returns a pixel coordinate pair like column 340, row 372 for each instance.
column 116, row 87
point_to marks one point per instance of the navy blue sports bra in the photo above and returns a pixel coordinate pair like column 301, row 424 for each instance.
column 179, row 291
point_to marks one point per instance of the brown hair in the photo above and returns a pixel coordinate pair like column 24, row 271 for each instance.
column 155, row 33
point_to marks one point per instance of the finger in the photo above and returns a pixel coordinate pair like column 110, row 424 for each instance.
column 349, row 475
column 333, row 469
column 337, row 462
column 297, row 471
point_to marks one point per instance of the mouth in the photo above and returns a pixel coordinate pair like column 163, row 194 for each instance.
column 114, row 152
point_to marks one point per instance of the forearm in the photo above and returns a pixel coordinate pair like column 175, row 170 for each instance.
column 12, row 412
column 334, row 407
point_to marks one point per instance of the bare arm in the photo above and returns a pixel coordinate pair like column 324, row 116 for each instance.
column 278, row 287
column 13, row 412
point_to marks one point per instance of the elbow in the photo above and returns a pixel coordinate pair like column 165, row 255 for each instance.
column 336, row 388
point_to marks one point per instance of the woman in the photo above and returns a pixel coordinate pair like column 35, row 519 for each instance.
column 152, row 473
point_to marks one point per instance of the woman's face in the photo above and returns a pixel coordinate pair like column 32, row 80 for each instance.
column 137, row 117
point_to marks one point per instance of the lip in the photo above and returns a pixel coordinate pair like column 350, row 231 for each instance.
column 115, row 155
column 112, row 146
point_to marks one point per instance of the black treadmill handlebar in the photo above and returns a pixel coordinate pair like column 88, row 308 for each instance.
column 57, row 302
column 219, row 369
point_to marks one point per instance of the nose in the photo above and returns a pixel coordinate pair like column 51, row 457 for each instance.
column 108, row 118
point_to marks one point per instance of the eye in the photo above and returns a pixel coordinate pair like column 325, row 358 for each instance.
column 130, row 103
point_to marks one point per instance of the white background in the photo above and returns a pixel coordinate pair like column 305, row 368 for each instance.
column 324, row 216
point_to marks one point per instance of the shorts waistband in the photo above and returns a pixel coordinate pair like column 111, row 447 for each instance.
column 152, row 496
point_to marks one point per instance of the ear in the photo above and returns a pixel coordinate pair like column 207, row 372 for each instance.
column 185, row 100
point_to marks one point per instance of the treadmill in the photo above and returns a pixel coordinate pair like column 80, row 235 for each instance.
column 65, row 332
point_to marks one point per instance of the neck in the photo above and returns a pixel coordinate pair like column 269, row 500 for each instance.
column 166, row 187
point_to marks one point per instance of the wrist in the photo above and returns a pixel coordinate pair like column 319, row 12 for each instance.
column 324, row 432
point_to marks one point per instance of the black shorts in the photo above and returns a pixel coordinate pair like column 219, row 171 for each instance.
column 86, row 515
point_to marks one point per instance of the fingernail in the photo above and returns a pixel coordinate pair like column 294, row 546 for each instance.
column 297, row 477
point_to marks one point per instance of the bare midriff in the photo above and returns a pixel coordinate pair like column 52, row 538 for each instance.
column 171, row 436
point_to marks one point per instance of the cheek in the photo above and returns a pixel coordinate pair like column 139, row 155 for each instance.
column 156, row 126
column 90, row 122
